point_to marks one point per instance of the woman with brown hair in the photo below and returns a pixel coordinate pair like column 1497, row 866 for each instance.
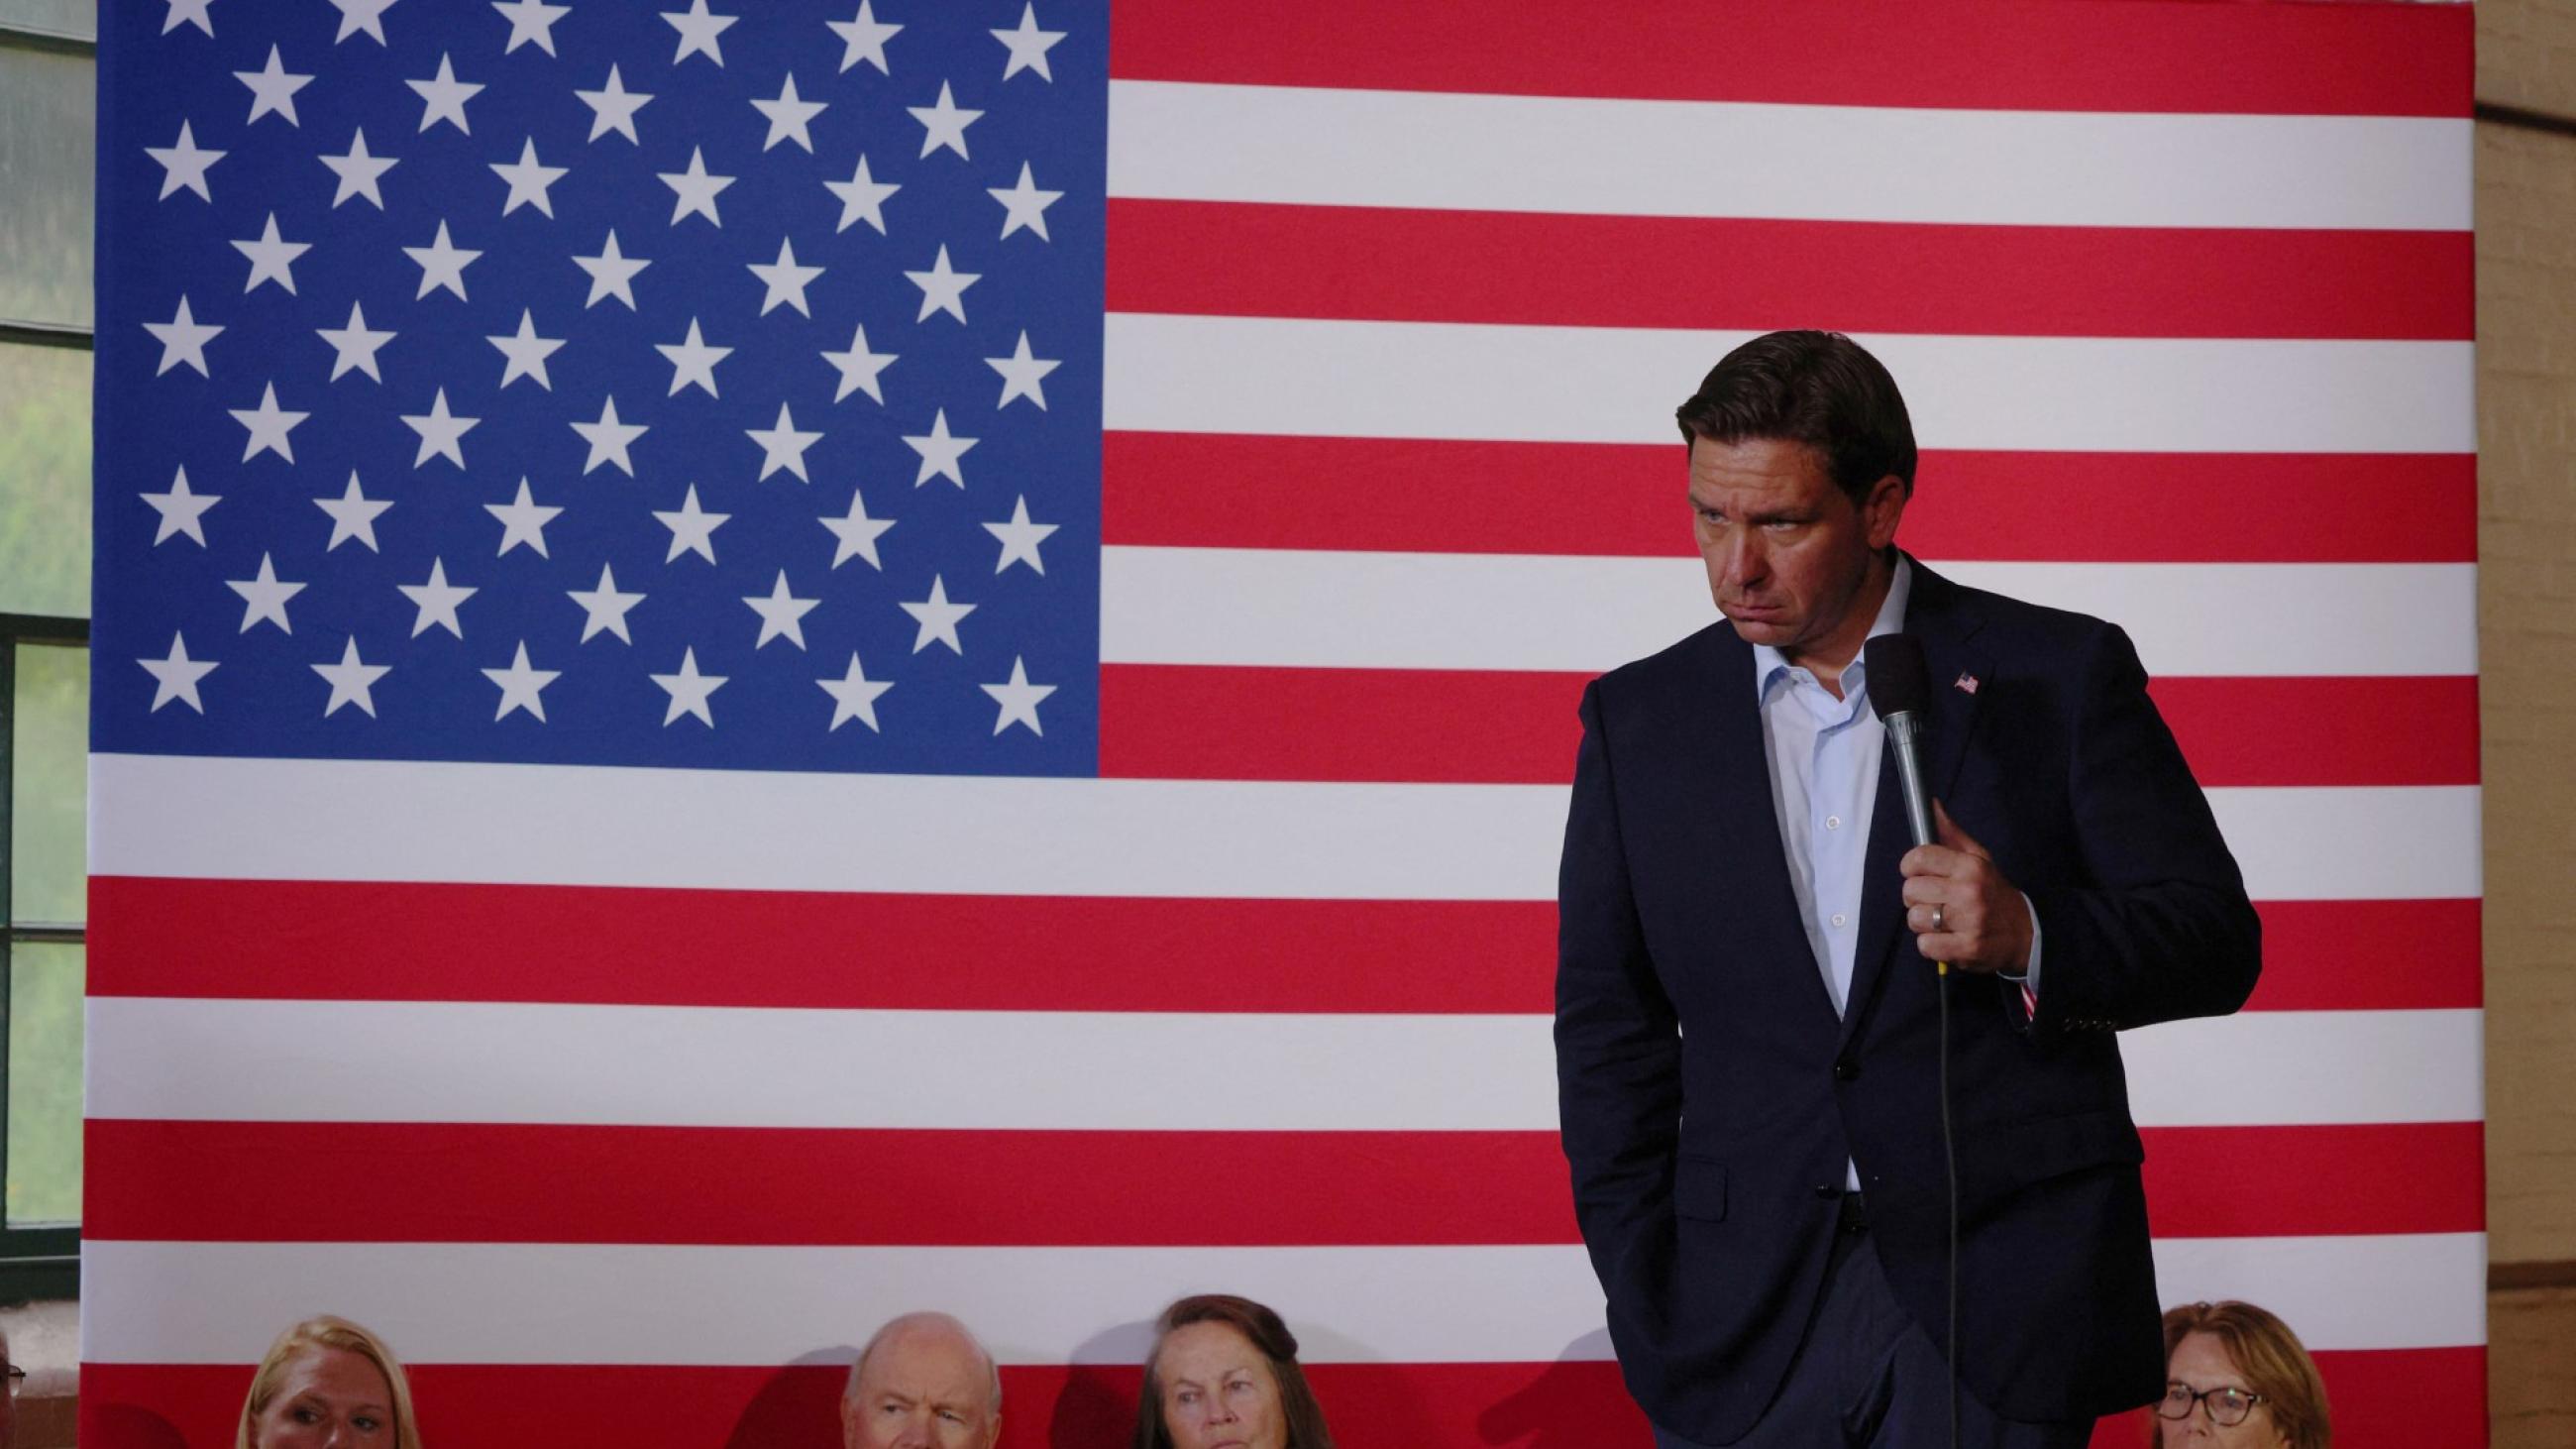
column 328, row 1384
column 2236, row 1377
column 1223, row 1374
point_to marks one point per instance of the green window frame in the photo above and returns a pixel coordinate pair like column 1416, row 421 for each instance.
column 40, row 1259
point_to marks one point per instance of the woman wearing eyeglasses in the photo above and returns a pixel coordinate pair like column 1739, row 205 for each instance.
column 2236, row 1377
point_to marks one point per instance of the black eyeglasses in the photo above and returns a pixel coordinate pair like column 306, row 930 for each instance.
column 2227, row 1406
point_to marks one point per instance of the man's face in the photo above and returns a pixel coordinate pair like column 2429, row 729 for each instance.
column 1789, row 555
column 921, row 1389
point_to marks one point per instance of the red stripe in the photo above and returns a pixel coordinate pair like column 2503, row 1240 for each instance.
column 1991, row 54
column 1398, row 724
column 169, row 937
column 2331, row 730
column 400, row 942
column 2386, row 1399
column 1373, row 1406
column 575, row 1184
column 2382, row 955
column 1394, row 264
column 2253, row 1182
column 1434, row 496
column 1432, row 726
column 451, row 1182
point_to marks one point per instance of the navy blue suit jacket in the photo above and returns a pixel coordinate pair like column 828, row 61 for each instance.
column 1710, row 1097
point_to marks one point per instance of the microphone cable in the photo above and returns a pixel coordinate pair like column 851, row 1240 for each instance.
column 1950, row 1176
column 1900, row 690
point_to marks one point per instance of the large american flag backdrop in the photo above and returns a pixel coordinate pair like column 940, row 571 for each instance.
column 776, row 662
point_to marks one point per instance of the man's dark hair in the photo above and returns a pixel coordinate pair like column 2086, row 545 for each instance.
column 1817, row 388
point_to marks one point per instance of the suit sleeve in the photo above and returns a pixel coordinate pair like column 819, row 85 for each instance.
column 2162, row 927
column 1618, row 1049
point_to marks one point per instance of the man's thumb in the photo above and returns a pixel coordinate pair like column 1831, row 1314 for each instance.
column 1952, row 836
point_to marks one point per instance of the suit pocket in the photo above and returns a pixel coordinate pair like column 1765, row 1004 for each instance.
column 1699, row 1189
column 1995, row 1161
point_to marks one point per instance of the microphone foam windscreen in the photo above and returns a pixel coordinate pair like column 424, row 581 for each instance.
column 1899, row 680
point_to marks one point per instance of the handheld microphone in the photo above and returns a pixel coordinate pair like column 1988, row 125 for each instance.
column 1900, row 690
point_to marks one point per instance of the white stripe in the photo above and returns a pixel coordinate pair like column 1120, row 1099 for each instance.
column 352, row 1061
column 2320, row 843
column 1833, row 163
column 155, row 1058
column 1487, row 382
column 752, row 830
column 1380, row 610
column 217, row 818
column 503, row 1303
column 2262, row 1068
column 2421, row 1290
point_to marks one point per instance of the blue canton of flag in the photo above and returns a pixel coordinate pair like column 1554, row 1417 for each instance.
column 603, row 384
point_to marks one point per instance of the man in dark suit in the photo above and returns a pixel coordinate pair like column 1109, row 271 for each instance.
column 1747, row 1023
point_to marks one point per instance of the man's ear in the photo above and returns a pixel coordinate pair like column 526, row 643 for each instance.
column 1884, row 509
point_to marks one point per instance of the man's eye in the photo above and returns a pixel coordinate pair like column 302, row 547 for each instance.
column 952, row 1416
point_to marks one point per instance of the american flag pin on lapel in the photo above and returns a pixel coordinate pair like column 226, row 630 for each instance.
column 1967, row 683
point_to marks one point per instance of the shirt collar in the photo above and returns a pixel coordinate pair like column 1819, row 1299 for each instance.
column 1770, row 666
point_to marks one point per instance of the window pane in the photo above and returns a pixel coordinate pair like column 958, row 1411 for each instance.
column 44, row 480
column 45, row 983
column 49, row 759
column 64, row 17
column 46, row 107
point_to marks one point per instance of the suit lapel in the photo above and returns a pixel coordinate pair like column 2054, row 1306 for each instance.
column 1936, row 612
column 1723, row 796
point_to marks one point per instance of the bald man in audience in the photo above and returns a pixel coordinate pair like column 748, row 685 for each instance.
column 923, row 1382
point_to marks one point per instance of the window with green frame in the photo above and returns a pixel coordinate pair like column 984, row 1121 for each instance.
column 48, row 72
column 44, row 734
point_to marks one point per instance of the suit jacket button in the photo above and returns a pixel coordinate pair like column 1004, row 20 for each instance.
column 1846, row 1070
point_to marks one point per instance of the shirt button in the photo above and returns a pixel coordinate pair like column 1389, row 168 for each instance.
column 1838, row 919
column 1833, row 822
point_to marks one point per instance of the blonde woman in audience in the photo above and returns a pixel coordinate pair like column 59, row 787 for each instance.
column 2236, row 1377
column 328, row 1384
column 1223, row 1373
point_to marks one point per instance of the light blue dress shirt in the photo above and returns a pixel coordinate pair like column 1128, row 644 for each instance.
column 1824, row 783
column 1824, row 756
